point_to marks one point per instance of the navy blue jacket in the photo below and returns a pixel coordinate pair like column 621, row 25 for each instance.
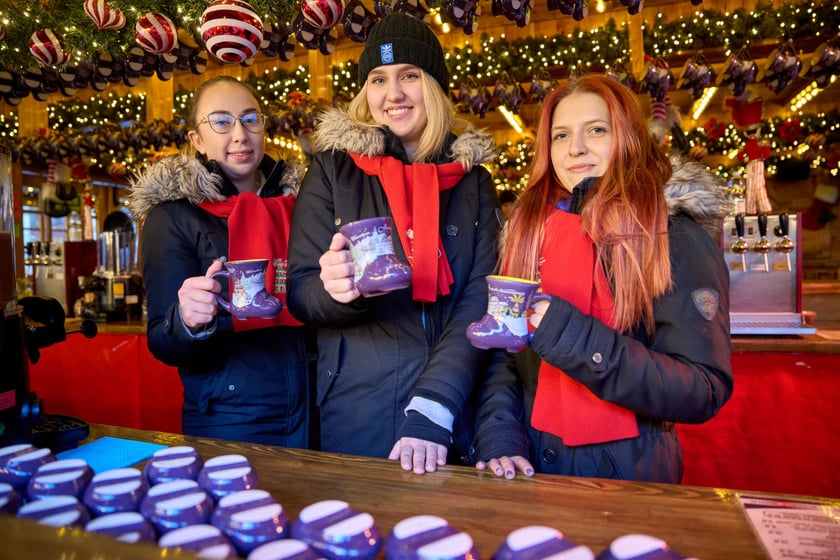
column 246, row 386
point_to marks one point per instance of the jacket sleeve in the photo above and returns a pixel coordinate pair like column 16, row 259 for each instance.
column 451, row 371
column 169, row 258
column 312, row 229
column 500, row 416
column 684, row 373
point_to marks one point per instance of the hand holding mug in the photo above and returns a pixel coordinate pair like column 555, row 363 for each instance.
column 337, row 270
column 196, row 298
column 510, row 302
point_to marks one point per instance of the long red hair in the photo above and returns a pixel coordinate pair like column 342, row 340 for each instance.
column 625, row 213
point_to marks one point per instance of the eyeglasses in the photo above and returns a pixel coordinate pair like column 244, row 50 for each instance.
column 223, row 122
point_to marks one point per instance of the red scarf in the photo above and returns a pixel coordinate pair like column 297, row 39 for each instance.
column 564, row 406
column 258, row 228
column 413, row 195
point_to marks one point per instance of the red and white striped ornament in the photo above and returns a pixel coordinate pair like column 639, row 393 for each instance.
column 2, row 31
column 47, row 48
column 104, row 15
column 323, row 14
column 156, row 33
column 231, row 30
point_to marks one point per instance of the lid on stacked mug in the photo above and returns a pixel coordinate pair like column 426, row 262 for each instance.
column 250, row 518
column 639, row 547
column 285, row 549
column 58, row 511
column 116, row 490
column 126, row 526
column 226, row 474
column 536, row 542
column 67, row 477
column 19, row 462
column 205, row 540
column 173, row 463
column 335, row 529
column 172, row 505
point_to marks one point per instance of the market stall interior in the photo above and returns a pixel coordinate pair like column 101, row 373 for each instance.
column 92, row 91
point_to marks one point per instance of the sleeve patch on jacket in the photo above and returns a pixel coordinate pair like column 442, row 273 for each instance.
column 706, row 302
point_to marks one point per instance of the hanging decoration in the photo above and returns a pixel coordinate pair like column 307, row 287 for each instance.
column 697, row 75
column 541, row 84
column 509, row 92
column 357, row 21
column 782, row 67
column 739, row 72
column 104, row 15
column 231, row 30
column 156, row 33
column 620, row 74
column 658, row 78
column 462, row 13
column 323, row 14
column 578, row 9
column 47, row 48
column 824, row 63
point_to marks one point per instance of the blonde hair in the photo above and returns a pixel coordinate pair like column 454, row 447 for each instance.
column 440, row 117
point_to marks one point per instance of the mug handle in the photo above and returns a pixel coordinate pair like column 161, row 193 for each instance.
column 222, row 301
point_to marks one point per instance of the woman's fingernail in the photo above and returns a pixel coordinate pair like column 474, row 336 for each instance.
column 509, row 474
column 529, row 472
column 498, row 471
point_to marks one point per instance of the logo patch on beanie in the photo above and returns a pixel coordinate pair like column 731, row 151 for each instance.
column 386, row 53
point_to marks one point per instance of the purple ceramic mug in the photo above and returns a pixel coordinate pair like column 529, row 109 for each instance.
column 505, row 325
column 378, row 270
column 248, row 294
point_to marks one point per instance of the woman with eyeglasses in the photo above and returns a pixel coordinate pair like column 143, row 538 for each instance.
column 243, row 380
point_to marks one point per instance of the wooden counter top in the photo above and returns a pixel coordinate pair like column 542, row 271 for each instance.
column 701, row 522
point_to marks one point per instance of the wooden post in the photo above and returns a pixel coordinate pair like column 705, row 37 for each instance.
column 320, row 76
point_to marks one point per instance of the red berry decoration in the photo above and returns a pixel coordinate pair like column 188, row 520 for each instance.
column 104, row 15
column 156, row 33
column 46, row 47
column 231, row 30
column 322, row 14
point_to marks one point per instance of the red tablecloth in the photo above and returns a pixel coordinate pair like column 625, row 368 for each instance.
column 779, row 432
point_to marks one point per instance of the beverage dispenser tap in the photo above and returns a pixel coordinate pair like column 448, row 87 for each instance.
column 763, row 245
column 741, row 247
column 785, row 245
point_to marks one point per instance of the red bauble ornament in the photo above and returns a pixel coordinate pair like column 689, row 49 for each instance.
column 323, row 14
column 104, row 15
column 46, row 47
column 231, row 30
column 156, row 33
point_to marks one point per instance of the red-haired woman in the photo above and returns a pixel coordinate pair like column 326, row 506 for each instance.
column 636, row 334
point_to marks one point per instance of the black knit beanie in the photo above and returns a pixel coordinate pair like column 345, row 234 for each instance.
column 402, row 39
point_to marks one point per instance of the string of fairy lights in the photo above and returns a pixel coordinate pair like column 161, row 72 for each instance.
column 486, row 60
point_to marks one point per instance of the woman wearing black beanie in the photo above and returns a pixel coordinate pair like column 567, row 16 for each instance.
column 395, row 371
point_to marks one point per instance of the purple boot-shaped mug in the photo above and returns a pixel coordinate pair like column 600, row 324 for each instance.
column 378, row 270
column 505, row 325
column 248, row 294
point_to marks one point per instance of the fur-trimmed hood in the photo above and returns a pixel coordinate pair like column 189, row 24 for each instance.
column 337, row 131
column 185, row 177
column 695, row 191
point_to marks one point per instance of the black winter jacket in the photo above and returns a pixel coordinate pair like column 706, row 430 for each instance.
column 245, row 386
column 682, row 373
column 376, row 354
